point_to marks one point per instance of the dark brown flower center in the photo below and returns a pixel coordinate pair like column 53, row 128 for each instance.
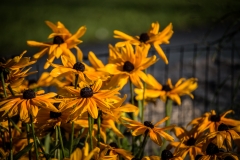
column 29, row 94
column 212, row 149
column 128, row 66
column 144, row 37
column 215, row 118
column 222, row 127
column 166, row 154
column 79, row 66
column 191, row 141
column 55, row 114
column 58, row 40
column 198, row 157
column 166, row 88
column 86, row 92
column 148, row 124
column 229, row 158
column 113, row 144
column 135, row 158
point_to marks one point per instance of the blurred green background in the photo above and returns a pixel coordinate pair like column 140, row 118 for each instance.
column 24, row 20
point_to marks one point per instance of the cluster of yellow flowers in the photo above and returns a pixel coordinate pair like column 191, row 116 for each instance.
column 87, row 116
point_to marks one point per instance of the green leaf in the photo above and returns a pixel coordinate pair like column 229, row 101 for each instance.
column 53, row 150
column 22, row 152
column 15, row 126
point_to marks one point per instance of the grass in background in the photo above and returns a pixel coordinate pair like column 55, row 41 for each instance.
column 24, row 20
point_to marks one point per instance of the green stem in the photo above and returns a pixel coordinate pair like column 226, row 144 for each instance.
column 61, row 141
column 132, row 101
column 34, row 137
column 3, row 84
column 72, row 133
column 142, row 106
column 56, row 144
column 28, row 138
column 71, row 140
column 144, row 142
column 168, row 112
column 10, row 136
column 10, row 89
column 99, row 127
column 76, row 80
column 43, row 151
column 90, row 125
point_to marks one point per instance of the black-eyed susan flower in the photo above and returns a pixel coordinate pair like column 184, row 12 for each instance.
column 113, row 149
column 83, row 154
column 73, row 68
column 17, row 62
column 211, row 121
column 224, row 136
column 90, row 98
column 153, row 36
column 189, row 143
column 165, row 155
column 61, row 44
column 155, row 133
column 211, row 152
column 28, row 103
column 126, row 65
column 154, row 89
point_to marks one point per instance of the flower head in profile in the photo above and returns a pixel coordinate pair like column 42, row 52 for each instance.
column 83, row 154
column 211, row 121
column 28, row 103
column 16, row 62
column 224, row 136
column 61, row 44
column 155, row 133
column 211, row 152
column 189, row 142
column 113, row 150
column 126, row 65
column 90, row 98
column 154, row 89
column 152, row 37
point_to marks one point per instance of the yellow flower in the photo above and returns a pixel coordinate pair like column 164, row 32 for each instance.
column 224, row 136
column 83, row 154
column 211, row 121
column 113, row 149
column 96, row 65
column 165, row 155
column 153, row 36
column 17, row 62
column 153, row 131
column 125, row 65
column 188, row 142
column 90, row 98
column 62, row 42
column 14, row 72
column 211, row 152
column 72, row 68
column 27, row 104
column 154, row 89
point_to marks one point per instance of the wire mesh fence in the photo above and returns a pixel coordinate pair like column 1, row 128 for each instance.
column 218, row 73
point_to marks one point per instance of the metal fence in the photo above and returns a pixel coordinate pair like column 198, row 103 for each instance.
column 217, row 70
